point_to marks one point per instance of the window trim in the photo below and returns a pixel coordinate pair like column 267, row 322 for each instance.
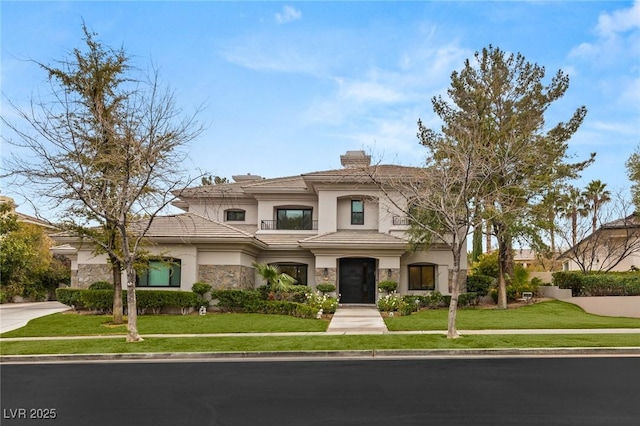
column 432, row 266
column 235, row 211
column 306, row 218
column 175, row 271
column 357, row 217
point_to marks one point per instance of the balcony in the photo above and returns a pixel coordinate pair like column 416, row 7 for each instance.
column 401, row 220
column 292, row 224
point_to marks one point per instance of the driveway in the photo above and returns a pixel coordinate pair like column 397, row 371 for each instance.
column 16, row 315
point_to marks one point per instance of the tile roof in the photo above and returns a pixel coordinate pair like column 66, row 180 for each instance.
column 354, row 238
column 188, row 225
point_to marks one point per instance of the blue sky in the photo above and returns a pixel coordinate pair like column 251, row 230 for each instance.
column 289, row 86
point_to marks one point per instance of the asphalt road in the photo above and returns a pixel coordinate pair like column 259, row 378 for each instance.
column 495, row 391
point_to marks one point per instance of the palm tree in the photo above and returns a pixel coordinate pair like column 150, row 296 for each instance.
column 596, row 195
column 574, row 205
column 276, row 280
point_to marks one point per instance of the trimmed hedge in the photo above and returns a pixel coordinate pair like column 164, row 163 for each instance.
column 69, row 296
column 599, row 283
column 251, row 301
column 102, row 300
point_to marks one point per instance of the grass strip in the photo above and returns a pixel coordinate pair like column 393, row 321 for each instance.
column 74, row 324
column 545, row 315
column 315, row 343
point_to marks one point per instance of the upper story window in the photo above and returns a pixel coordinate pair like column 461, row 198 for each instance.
column 234, row 215
column 422, row 277
column 357, row 212
column 294, row 219
column 163, row 272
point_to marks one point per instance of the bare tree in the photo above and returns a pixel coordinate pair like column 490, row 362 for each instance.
column 102, row 151
column 614, row 241
column 440, row 199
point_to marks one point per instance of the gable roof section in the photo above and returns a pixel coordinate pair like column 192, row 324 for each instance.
column 188, row 225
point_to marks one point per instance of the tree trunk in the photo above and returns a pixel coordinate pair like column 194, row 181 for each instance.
column 488, row 236
column 452, row 331
column 117, row 291
column 505, row 267
column 132, row 314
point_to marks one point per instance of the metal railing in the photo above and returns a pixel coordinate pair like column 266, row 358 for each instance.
column 401, row 220
column 289, row 225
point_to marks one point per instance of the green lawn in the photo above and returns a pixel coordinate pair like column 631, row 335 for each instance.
column 544, row 315
column 73, row 324
column 314, row 343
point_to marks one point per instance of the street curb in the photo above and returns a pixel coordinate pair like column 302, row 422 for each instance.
column 351, row 354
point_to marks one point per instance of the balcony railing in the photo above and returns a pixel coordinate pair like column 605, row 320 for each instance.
column 401, row 220
column 296, row 224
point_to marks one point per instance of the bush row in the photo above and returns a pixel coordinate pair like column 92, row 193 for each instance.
column 102, row 300
column 253, row 301
column 598, row 283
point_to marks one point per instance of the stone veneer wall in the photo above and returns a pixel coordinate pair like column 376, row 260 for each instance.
column 89, row 273
column 383, row 275
column 330, row 278
column 227, row 276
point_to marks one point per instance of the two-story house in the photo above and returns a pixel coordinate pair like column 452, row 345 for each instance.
column 333, row 226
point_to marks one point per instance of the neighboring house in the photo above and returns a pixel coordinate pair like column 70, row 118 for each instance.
column 25, row 218
column 332, row 226
column 531, row 260
column 615, row 246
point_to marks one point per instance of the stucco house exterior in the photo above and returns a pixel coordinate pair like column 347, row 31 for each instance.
column 615, row 246
column 334, row 226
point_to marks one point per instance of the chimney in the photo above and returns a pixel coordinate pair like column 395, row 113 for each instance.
column 355, row 159
column 245, row 178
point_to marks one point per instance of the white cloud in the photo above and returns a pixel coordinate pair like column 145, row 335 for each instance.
column 619, row 21
column 288, row 14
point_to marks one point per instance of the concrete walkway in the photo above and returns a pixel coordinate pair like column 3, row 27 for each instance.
column 16, row 315
column 357, row 320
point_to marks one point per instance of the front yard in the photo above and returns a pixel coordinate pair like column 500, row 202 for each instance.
column 544, row 315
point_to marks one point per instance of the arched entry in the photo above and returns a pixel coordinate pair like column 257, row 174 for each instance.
column 357, row 280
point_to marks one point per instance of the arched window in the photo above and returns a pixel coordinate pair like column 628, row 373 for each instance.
column 422, row 277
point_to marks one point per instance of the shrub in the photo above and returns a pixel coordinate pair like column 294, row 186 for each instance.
column 69, row 296
column 391, row 302
column 569, row 279
column 200, row 289
column 326, row 288
column 236, row 300
column 318, row 302
column 388, row 286
column 433, row 300
column 101, row 285
column 479, row 284
column 98, row 300
column 468, row 299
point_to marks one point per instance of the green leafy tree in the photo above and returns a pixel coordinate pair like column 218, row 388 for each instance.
column 504, row 100
column 27, row 267
column 633, row 171
column 105, row 148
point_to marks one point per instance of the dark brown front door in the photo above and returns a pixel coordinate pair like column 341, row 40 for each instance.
column 357, row 281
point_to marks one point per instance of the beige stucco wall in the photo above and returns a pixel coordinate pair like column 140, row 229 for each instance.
column 370, row 213
column 216, row 212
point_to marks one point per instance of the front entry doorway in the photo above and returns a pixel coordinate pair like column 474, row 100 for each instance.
column 357, row 280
